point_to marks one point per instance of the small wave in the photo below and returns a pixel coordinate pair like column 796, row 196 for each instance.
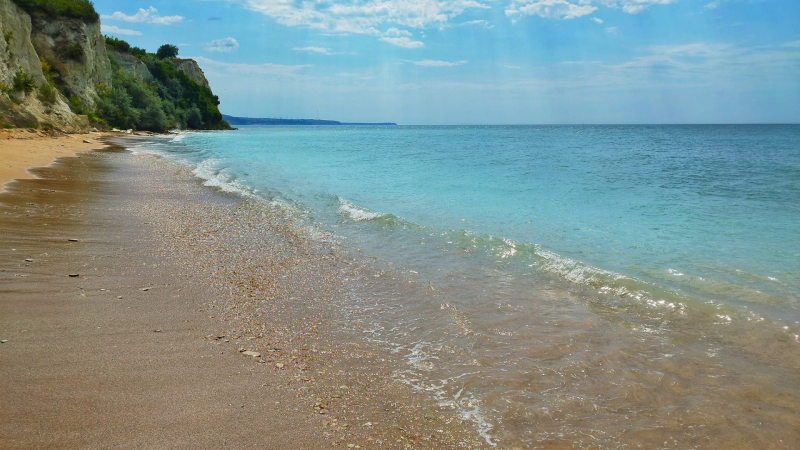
column 207, row 170
column 356, row 213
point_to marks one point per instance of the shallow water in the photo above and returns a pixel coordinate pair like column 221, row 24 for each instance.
column 605, row 286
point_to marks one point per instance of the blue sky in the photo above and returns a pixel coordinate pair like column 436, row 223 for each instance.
column 485, row 61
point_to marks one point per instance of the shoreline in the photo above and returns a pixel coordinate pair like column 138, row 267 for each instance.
column 103, row 358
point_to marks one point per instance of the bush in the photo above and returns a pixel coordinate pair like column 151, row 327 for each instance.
column 23, row 82
column 121, row 46
column 8, row 36
column 78, row 9
column 73, row 52
column 47, row 94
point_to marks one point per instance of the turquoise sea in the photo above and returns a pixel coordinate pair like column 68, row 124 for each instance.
column 599, row 285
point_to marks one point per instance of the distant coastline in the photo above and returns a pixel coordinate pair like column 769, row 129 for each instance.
column 270, row 121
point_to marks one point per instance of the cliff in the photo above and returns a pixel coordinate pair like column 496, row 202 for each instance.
column 76, row 53
column 192, row 70
column 58, row 71
column 27, row 98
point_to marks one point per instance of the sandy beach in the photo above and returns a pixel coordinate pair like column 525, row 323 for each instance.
column 24, row 149
column 139, row 309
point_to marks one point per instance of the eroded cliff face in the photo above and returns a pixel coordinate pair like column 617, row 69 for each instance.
column 192, row 70
column 18, row 55
column 76, row 52
column 132, row 64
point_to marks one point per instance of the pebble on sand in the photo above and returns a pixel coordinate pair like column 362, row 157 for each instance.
column 74, row 275
column 3, row 341
column 87, row 141
column 72, row 240
column 252, row 353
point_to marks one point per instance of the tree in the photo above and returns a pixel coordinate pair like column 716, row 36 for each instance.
column 167, row 51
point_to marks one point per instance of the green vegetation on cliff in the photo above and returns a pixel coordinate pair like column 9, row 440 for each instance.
column 169, row 100
column 76, row 9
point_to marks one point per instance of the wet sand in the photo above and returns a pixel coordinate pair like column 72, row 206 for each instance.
column 133, row 334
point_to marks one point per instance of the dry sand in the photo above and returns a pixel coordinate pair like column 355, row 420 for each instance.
column 22, row 149
column 127, row 292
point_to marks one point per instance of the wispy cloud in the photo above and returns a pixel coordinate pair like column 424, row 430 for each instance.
column 402, row 41
column 475, row 23
column 320, row 50
column 596, row 20
column 367, row 17
column 149, row 15
column 611, row 30
column 549, row 9
column 268, row 70
column 226, row 45
column 563, row 9
column 434, row 63
column 111, row 29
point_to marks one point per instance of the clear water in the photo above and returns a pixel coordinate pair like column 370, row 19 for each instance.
column 593, row 285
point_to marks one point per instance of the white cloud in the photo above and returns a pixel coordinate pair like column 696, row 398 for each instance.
column 364, row 17
column 397, row 32
column 403, row 41
column 631, row 6
column 149, row 15
column 111, row 29
column 551, row 9
column 611, row 30
column 322, row 50
column 512, row 67
column 432, row 63
column 563, row 9
column 226, row 45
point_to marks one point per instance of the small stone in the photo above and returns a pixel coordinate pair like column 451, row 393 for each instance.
column 28, row 260
column 72, row 240
column 351, row 445
column 87, row 141
column 119, row 297
column 144, row 289
column 156, row 331
column 3, row 341
column 73, row 275
column 251, row 353
column 279, row 365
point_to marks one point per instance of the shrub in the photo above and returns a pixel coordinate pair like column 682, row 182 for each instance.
column 23, row 82
column 73, row 52
column 119, row 45
column 78, row 9
column 8, row 36
column 47, row 94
